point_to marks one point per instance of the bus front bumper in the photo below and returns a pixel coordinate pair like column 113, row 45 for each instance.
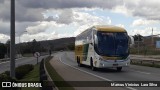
column 113, row 63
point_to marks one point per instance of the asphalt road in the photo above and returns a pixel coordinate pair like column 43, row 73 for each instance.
column 132, row 73
column 5, row 66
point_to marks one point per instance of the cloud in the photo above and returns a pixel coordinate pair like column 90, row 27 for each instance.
column 141, row 22
column 43, row 36
column 68, row 16
column 3, row 38
column 32, row 10
column 85, row 20
column 38, row 36
column 20, row 28
column 5, row 10
column 40, row 27
column 76, row 18
column 29, row 15
column 65, row 16
column 122, row 9
column 147, row 9
column 2, row 1
column 21, row 13
column 145, row 32
column 69, row 3
column 80, row 21
column 120, row 25
column 37, row 16
column 4, row 27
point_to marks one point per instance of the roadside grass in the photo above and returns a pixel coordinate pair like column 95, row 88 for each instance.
column 56, row 77
column 28, row 55
column 32, row 76
column 145, row 64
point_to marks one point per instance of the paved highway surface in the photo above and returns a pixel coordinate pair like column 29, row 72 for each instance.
column 132, row 73
column 4, row 66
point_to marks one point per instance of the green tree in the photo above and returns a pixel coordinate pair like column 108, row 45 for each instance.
column 26, row 48
column 138, row 37
column 7, row 44
column 3, row 50
column 36, row 46
column 71, row 46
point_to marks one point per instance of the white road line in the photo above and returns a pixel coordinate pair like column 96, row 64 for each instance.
column 85, row 71
column 92, row 73
column 141, row 72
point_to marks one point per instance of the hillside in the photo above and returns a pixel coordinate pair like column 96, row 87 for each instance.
column 58, row 43
column 45, row 46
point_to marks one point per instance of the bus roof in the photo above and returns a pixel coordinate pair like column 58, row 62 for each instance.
column 109, row 28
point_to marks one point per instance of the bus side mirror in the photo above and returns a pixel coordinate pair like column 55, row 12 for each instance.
column 95, row 39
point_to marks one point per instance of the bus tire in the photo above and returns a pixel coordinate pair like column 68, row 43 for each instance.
column 78, row 61
column 91, row 64
column 119, row 68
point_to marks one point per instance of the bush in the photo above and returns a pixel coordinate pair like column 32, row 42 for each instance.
column 21, row 71
column 6, row 73
column 6, row 78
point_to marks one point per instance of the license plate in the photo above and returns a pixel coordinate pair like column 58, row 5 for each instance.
column 115, row 64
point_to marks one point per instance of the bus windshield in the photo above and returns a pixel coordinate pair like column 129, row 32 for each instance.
column 112, row 44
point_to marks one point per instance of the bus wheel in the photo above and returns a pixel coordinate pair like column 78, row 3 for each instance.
column 78, row 61
column 92, row 67
column 119, row 68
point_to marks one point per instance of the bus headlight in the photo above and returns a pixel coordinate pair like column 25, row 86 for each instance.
column 100, row 58
column 127, row 64
column 128, row 58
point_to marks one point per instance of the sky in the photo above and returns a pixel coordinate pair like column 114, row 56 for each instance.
column 53, row 19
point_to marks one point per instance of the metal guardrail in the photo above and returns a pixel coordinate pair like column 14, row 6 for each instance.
column 145, row 62
column 7, row 59
column 4, row 60
column 48, row 76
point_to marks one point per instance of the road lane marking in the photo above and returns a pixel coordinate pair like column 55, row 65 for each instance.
column 140, row 72
column 85, row 71
column 91, row 73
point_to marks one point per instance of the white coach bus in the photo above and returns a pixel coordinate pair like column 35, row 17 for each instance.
column 103, row 46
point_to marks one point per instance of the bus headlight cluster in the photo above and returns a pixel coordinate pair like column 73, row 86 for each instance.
column 127, row 64
column 102, row 64
column 101, row 59
column 128, row 58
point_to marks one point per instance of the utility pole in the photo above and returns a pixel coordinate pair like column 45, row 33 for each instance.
column 19, row 39
column 138, row 43
column 12, row 37
column 152, row 37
